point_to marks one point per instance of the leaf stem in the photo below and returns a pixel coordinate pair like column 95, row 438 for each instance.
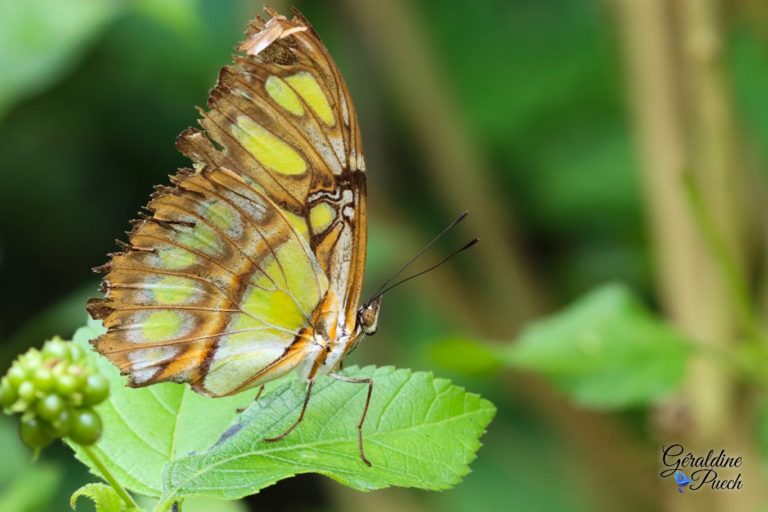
column 109, row 477
column 165, row 504
column 733, row 276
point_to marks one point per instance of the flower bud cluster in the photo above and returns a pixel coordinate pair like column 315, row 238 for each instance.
column 54, row 389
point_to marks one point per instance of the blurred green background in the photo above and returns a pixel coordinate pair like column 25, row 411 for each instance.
column 547, row 119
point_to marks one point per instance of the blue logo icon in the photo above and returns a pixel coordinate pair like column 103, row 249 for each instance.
column 681, row 480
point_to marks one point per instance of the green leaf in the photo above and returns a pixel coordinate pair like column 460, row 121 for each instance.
column 179, row 15
column 465, row 356
column 198, row 504
column 15, row 455
column 33, row 490
column 103, row 496
column 41, row 39
column 24, row 486
column 147, row 427
column 210, row 504
column 760, row 428
column 420, row 432
column 605, row 351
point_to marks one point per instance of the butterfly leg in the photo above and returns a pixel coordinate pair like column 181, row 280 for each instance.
column 258, row 395
column 298, row 420
column 368, row 381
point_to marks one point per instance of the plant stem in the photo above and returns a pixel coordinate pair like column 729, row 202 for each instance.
column 109, row 477
column 166, row 505
column 743, row 366
column 734, row 278
column 679, row 80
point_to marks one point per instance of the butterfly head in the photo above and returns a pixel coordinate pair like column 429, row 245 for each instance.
column 368, row 316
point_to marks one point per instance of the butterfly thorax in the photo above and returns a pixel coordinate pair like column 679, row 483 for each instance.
column 332, row 338
column 324, row 341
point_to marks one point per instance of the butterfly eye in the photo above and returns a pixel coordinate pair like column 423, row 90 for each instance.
column 368, row 317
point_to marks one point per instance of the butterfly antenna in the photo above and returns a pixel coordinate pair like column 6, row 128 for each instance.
column 450, row 226
column 430, row 269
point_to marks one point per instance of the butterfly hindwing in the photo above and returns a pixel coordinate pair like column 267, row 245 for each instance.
column 216, row 277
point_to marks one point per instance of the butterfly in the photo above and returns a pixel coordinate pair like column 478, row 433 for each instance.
column 250, row 265
column 681, row 479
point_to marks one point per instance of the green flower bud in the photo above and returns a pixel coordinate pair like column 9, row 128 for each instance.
column 50, row 407
column 67, row 384
column 55, row 349
column 8, row 395
column 27, row 391
column 80, row 375
column 86, row 427
column 63, row 423
column 34, row 433
column 96, row 389
column 76, row 354
column 16, row 375
column 43, row 379
column 31, row 361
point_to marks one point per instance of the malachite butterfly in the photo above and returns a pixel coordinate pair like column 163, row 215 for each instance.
column 250, row 265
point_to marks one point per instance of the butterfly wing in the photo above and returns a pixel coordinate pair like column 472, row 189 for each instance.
column 215, row 286
column 285, row 119
column 221, row 285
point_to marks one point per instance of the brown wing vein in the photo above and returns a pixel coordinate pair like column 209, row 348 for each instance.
column 292, row 230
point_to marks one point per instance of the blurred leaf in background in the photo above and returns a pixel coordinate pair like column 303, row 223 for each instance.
column 541, row 88
column 41, row 40
column 25, row 486
column 97, row 134
column 748, row 60
column 605, row 350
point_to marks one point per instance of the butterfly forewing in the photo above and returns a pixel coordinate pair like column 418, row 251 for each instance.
column 285, row 120
column 222, row 281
